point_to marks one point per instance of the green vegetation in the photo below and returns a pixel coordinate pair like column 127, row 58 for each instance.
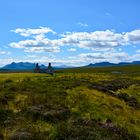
column 114, row 69
column 89, row 104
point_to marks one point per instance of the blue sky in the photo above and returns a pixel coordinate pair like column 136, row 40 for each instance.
column 75, row 32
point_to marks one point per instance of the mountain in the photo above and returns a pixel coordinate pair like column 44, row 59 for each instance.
column 28, row 66
column 102, row 64
column 108, row 64
column 136, row 62
column 21, row 66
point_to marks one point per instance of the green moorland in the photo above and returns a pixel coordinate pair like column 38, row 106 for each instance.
column 74, row 104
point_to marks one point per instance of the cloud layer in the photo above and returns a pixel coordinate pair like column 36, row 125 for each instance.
column 98, row 40
column 78, row 60
column 98, row 45
column 106, row 56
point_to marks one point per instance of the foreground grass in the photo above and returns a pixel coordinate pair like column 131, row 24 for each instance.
column 69, row 106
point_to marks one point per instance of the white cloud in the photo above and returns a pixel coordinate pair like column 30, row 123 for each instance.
column 3, row 62
column 119, row 49
column 106, row 56
column 133, row 37
column 41, row 49
column 72, row 50
column 138, row 51
column 95, row 41
column 135, row 57
column 4, row 52
column 29, row 32
column 82, row 24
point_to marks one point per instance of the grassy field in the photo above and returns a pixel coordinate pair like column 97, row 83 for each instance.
column 73, row 104
column 120, row 69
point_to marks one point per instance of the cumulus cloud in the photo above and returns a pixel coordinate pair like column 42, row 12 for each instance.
column 95, row 41
column 132, row 37
column 106, row 56
column 41, row 49
column 29, row 32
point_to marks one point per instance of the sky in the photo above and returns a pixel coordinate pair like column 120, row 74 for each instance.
column 69, row 32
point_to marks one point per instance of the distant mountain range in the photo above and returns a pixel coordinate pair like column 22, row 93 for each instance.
column 31, row 66
column 27, row 66
column 108, row 64
column 21, row 66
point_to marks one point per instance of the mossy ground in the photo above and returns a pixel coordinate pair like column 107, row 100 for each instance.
column 69, row 106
